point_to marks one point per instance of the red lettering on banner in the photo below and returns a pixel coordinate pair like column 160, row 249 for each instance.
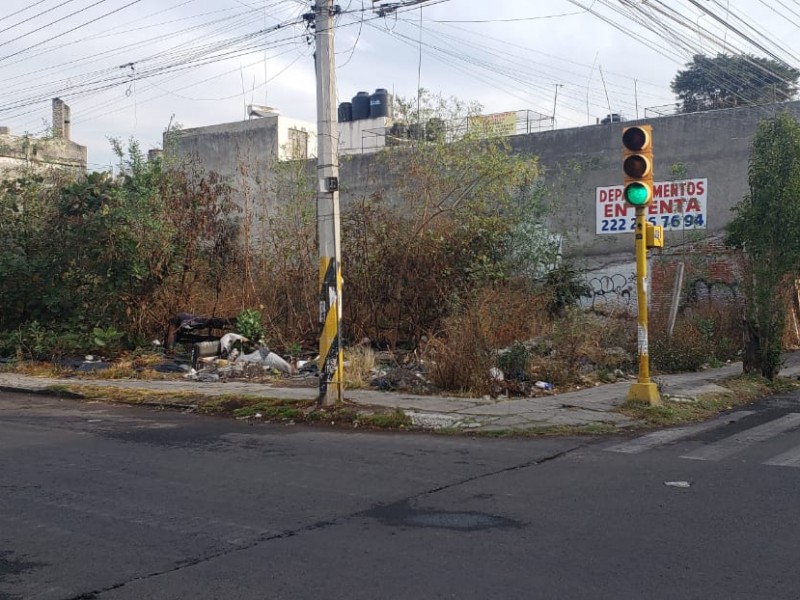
column 673, row 189
column 665, row 206
column 608, row 211
column 620, row 210
column 652, row 208
column 693, row 205
column 701, row 189
column 690, row 189
column 657, row 191
column 681, row 202
column 603, row 195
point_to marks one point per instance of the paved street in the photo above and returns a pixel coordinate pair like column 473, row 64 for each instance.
column 116, row 502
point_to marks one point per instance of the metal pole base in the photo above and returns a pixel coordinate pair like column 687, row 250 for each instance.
column 644, row 392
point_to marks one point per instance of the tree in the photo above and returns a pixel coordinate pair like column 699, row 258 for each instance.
column 767, row 228
column 452, row 219
column 727, row 81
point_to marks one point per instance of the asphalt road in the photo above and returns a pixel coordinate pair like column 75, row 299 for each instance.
column 109, row 502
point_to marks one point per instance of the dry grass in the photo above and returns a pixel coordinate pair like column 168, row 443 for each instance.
column 741, row 390
column 359, row 362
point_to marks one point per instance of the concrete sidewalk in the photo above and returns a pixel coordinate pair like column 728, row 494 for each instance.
column 593, row 405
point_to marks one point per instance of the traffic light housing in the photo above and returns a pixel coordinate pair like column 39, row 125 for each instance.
column 637, row 143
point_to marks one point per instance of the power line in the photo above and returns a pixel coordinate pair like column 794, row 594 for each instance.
column 116, row 10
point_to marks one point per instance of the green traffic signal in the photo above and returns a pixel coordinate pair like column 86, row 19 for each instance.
column 637, row 194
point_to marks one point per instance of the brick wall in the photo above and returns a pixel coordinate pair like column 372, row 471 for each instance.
column 712, row 275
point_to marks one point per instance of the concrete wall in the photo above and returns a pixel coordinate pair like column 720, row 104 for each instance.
column 575, row 162
column 19, row 154
column 713, row 145
column 363, row 136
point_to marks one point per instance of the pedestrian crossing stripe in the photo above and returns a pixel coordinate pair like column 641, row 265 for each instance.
column 738, row 441
column 665, row 436
column 721, row 448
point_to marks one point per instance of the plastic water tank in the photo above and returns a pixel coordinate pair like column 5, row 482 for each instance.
column 380, row 104
column 345, row 112
column 361, row 106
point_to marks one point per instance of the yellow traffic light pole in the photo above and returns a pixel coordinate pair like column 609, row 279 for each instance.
column 643, row 390
column 637, row 144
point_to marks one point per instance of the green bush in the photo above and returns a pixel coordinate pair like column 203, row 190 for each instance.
column 249, row 324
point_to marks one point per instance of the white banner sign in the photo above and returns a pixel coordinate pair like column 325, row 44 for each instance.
column 676, row 206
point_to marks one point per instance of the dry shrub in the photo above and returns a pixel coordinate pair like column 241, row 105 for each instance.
column 359, row 362
column 462, row 358
column 582, row 342
column 509, row 313
column 704, row 334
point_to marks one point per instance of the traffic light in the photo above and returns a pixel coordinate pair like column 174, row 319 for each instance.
column 637, row 142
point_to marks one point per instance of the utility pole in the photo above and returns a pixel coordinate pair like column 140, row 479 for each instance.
column 555, row 101
column 331, row 378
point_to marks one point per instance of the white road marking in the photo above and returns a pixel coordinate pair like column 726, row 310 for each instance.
column 659, row 438
column 790, row 458
column 743, row 439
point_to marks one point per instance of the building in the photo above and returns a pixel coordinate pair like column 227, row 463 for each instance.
column 244, row 152
column 20, row 154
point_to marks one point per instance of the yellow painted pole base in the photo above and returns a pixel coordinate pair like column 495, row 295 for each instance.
column 644, row 392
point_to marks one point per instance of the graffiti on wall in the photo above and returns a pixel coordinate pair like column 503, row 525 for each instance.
column 701, row 290
column 611, row 291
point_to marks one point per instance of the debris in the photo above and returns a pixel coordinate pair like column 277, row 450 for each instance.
column 185, row 328
column 207, row 377
column 204, row 350
column 266, row 358
column 496, row 374
column 227, row 341
column 543, row 385
column 678, row 484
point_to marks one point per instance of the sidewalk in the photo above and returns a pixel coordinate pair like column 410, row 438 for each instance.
column 582, row 407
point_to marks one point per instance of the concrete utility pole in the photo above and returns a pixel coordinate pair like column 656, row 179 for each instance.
column 331, row 379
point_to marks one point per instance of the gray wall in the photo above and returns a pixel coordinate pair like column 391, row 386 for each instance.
column 241, row 152
column 713, row 145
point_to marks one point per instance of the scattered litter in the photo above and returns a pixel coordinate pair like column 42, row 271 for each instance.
column 496, row 374
column 543, row 385
column 258, row 415
column 678, row 484
column 207, row 377
column 227, row 341
column 680, row 399
column 266, row 358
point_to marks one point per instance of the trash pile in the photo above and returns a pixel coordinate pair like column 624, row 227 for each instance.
column 222, row 359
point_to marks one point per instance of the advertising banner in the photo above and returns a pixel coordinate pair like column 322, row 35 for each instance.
column 676, row 206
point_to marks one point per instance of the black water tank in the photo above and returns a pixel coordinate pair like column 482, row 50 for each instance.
column 380, row 104
column 361, row 106
column 345, row 112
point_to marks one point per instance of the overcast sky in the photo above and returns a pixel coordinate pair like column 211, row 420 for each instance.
column 129, row 67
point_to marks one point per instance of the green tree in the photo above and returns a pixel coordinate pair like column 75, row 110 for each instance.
column 727, row 81
column 767, row 228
